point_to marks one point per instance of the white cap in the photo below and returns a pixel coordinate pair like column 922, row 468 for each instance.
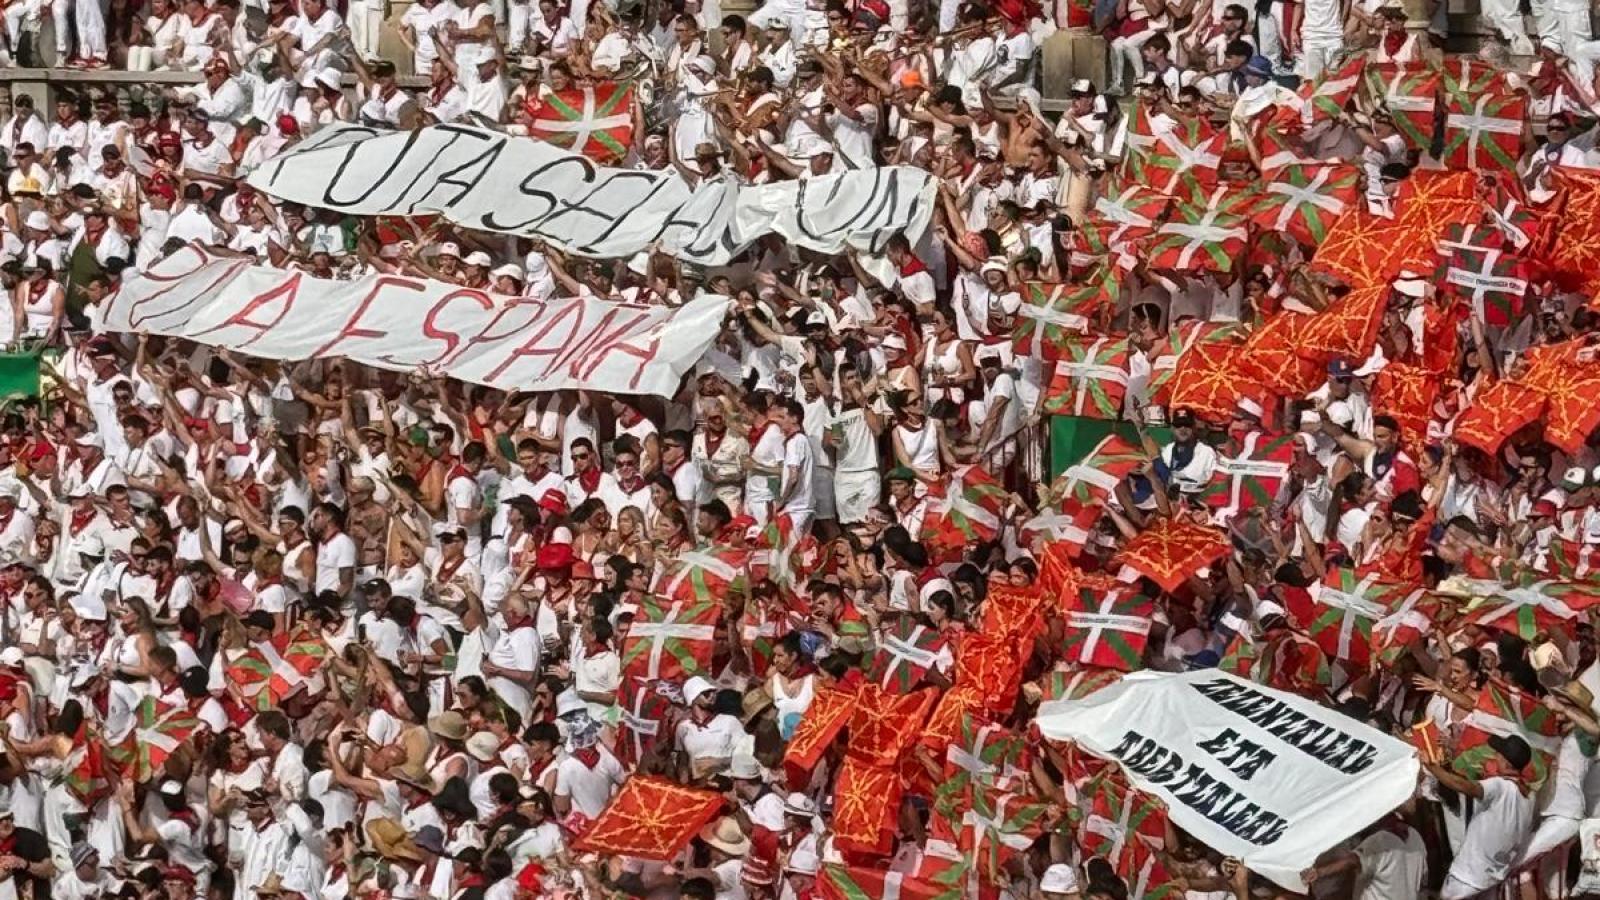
column 450, row 248
column 90, row 439
column 798, row 804
column 11, row 657
column 694, row 687
column 1251, row 407
column 509, row 270
column 89, row 608
column 993, row 264
column 568, row 701
column 1411, row 285
column 1059, row 879
column 80, row 492
column 38, row 219
column 893, row 342
column 329, row 78
column 482, row 746
column 1339, row 413
column 479, row 258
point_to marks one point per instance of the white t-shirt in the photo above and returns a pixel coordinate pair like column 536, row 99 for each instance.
column 590, row 789
column 797, row 455
column 1391, row 866
column 1500, row 821
column 333, row 555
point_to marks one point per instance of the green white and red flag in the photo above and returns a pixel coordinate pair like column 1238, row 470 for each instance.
column 1117, row 820
column 1053, row 314
column 1411, row 616
column 1075, row 685
column 986, row 754
column 159, row 730
column 1279, row 152
column 1195, row 238
column 1108, row 629
column 1323, row 98
column 1184, row 156
column 1492, row 280
column 962, row 510
column 1304, row 202
column 1344, row 608
column 271, row 671
column 641, row 724
column 1133, row 206
column 708, row 573
column 671, row 639
column 85, row 772
column 840, row 881
column 788, row 557
column 760, row 627
column 1571, row 559
column 596, row 121
column 1504, row 710
column 1066, row 522
column 1483, row 125
column 1465, row 77
column 1531, row 607
column 905, row 654
column 1411, row 97
column 1090, row 379
column 1091, row 480
column 992, row 826
column 1251, row 478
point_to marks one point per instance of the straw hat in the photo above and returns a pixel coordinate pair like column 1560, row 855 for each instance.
column 389, row 838
column 725, row 835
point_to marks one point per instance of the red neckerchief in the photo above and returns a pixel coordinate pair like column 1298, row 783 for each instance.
column 457, row 470
column 630, row 416
column 37, row 290
column 164, row 585
column 713, row 441
column 631, row 484
column 80, row 521
column 437, row 94
column 757, row 431
column 912, row 266
column 447, row 570
column 589, row 479
column 589, row 756
column 674, row 469
column 1394, row 42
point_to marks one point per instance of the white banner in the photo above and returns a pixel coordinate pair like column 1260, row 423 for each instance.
column 404, row 323
column 1258, row 774
column 490, row 181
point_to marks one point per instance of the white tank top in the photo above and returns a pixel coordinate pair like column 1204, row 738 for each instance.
column 922, row 445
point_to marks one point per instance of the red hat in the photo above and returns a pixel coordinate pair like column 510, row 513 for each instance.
column 1543, row 508
column 555, row 556
column 163, row 188
column 178, row 873
column 553, row 501
column 288, row 125
column 169, row 139
column 531, row 878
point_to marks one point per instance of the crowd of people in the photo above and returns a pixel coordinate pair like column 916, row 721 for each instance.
column 310, row 629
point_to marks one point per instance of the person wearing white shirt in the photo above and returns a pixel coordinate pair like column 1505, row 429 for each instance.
column 796, row 486
column 1501, row 817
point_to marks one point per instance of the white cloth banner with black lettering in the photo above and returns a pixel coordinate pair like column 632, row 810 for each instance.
column 402, row 323
column 1258, row 774
column 490, row 181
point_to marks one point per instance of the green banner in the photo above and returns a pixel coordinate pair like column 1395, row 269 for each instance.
column 1072, row 437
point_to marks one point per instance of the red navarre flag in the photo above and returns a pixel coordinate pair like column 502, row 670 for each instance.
column 595, row 121
column 651, row 818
